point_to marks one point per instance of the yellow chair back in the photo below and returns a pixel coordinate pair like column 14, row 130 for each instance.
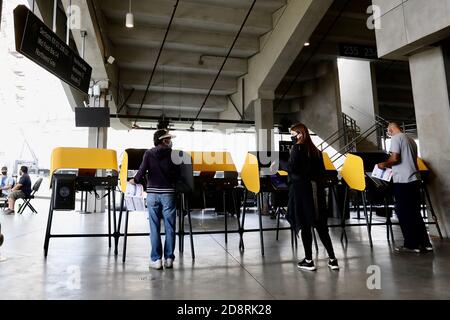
column 421, row 165
column 250, row 173
column 123, row 175
column 353, row 172
column 329, row 166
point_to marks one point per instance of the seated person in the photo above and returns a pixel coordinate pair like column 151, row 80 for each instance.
column 6, row 183
column 20, row 191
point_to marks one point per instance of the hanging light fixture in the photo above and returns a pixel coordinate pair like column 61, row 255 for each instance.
column 129, row 23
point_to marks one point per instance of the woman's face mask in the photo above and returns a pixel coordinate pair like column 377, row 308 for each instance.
column 296, row 137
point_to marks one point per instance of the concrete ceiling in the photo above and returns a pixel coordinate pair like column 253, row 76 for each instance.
column 201, row 34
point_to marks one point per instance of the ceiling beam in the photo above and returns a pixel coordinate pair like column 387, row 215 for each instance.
column 203, row 42
column 178, row 101
column 178, row 61
column 177, row 82
column 190, row 15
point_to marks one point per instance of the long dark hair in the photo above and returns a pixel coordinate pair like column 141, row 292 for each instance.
column 306, row 139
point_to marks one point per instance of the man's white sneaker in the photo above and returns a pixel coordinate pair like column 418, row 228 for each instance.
column 156, row 264
column 168, row 263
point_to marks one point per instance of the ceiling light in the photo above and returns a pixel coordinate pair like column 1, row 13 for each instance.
column 111, row 60
column 129, row 21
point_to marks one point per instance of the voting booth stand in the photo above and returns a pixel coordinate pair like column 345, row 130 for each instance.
column 355, row 178
column 216, row 174
column 257, row 183
column 426, row 200
column 131, row 160
column 67, row 178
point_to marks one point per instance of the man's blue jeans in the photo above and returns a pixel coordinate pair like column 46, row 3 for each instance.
column 162, row 206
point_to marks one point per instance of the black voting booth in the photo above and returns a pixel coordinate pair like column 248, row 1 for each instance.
column 131, row 162
column 216, row 186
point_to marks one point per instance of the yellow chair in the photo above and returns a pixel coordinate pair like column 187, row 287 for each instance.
column 353, row 175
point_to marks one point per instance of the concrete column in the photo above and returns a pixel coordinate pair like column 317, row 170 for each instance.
column 1, row 7
column 98, row 138
column 358, row 96
column 264, row 124
column 430, row 82
column 321, row 110
column 264, row 137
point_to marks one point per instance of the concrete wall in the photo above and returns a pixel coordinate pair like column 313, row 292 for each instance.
column 321, row 112
column 408, row 25
column 431, row 99
column 358, row 99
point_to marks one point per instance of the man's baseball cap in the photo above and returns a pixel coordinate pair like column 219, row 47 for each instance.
column 160, row 135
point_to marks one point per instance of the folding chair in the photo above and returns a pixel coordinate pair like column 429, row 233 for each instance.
column 27, row 200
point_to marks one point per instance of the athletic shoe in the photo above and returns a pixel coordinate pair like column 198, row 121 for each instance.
column 407, row 250
column 428, row 248
column 168, row 263
column 305, row 265
column 333, row 264
column 156, row 264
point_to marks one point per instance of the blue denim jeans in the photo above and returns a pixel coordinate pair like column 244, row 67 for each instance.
column 162, row 206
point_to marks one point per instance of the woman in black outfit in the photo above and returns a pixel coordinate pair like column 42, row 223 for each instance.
column 306, row 170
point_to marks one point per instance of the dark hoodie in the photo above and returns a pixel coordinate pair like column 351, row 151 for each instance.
column 159, row 169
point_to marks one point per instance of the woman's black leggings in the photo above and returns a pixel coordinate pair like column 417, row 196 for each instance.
column 307, row 239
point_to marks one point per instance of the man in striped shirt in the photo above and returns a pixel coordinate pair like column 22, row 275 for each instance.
column 161, row 175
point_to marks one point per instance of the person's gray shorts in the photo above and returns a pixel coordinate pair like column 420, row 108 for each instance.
column 18, row 194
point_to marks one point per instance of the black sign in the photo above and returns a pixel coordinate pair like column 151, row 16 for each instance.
column 92, row 117
column 285, row 146
column 358, row 51
column 40, row 44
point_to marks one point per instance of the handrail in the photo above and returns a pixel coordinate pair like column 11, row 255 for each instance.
column 357, row 140
column 373, row 129
column 347, row 123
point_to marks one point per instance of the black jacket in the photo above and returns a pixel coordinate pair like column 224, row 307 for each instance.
column 159, row 169
column 305, row 172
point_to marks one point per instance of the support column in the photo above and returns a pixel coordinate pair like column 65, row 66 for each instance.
column 430, row 81
column 264, row 124
column 264, row 139
column 1, row 7
column 98, row 138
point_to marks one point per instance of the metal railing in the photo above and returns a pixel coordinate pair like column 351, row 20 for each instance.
column 346, row 132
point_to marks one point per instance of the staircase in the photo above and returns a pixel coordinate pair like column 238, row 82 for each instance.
column 352, row 136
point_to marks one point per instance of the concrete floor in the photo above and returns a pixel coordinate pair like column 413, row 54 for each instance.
column 84, row 268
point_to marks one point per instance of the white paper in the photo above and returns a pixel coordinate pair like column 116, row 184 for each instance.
column 383, row 174
column 134, row 197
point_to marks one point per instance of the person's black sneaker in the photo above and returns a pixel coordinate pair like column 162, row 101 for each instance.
column 333, row 264
column 407, row 250
column 305, row 265
column 428, row 248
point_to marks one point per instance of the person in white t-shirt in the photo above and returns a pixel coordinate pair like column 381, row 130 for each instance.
column 406, row 178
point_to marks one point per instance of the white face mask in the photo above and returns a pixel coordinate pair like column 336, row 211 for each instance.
column 169, row 145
